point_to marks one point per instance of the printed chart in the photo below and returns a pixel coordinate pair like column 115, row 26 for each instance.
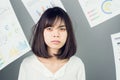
column 13, row 42
column 37, row 7
column 116, row 48
column 98, row 11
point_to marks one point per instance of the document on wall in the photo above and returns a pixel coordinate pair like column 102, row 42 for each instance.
column 37, row 7
column 98, row 11
column 13, row 42
column 116, row 48
column 116, row 6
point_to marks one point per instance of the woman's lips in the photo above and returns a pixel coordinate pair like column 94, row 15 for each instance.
column 55, row 41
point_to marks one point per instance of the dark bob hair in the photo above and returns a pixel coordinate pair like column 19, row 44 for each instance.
column 48, row 18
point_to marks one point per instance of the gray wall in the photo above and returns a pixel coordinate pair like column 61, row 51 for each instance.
column 94, row 44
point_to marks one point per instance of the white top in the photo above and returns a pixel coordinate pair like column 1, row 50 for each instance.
column 32, row 69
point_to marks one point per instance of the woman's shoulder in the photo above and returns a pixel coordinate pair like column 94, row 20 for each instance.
column 29, row 60
column 76, row 60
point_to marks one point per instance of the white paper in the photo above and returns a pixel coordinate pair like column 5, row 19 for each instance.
column 13, row 42
column 116, row 6
column 98, row 11
column 37, row 7
column 116, row 48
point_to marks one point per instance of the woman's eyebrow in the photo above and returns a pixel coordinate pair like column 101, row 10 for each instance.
column 62, row 26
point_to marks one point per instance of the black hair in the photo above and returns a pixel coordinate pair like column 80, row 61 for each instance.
column 48, row 18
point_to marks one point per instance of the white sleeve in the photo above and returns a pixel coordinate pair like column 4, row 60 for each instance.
column 22, row 73
column 81, row 73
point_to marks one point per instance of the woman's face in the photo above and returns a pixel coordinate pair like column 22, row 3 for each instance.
column 55, row 36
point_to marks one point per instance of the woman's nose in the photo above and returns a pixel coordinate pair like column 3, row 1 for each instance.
column 56, row 33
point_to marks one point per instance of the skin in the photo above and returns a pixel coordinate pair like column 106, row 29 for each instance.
column 55, row 37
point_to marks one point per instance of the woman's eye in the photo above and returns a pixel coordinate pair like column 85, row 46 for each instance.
column 62, row 29
column 49, row 28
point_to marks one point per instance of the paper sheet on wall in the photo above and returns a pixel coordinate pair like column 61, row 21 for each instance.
column 37, row 7
column 13, row 42
column 116, row 48
column 98, row 11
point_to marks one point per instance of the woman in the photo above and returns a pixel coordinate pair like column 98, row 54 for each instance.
column 54, row 47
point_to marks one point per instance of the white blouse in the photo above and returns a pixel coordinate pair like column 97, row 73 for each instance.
column 32, row 69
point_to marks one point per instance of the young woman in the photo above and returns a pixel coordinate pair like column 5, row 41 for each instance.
column 54, row 46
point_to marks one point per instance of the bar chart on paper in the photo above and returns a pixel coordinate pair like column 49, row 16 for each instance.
column 37, row 7
column 13, row 42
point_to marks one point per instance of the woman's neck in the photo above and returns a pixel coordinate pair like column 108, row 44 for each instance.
column 52, row 52
column 53, row 64
column 52, row 60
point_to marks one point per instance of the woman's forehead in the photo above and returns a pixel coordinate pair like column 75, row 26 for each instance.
column 59, row 21
column 56, row 21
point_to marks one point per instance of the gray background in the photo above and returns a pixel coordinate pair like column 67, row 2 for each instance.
column 94, row 44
